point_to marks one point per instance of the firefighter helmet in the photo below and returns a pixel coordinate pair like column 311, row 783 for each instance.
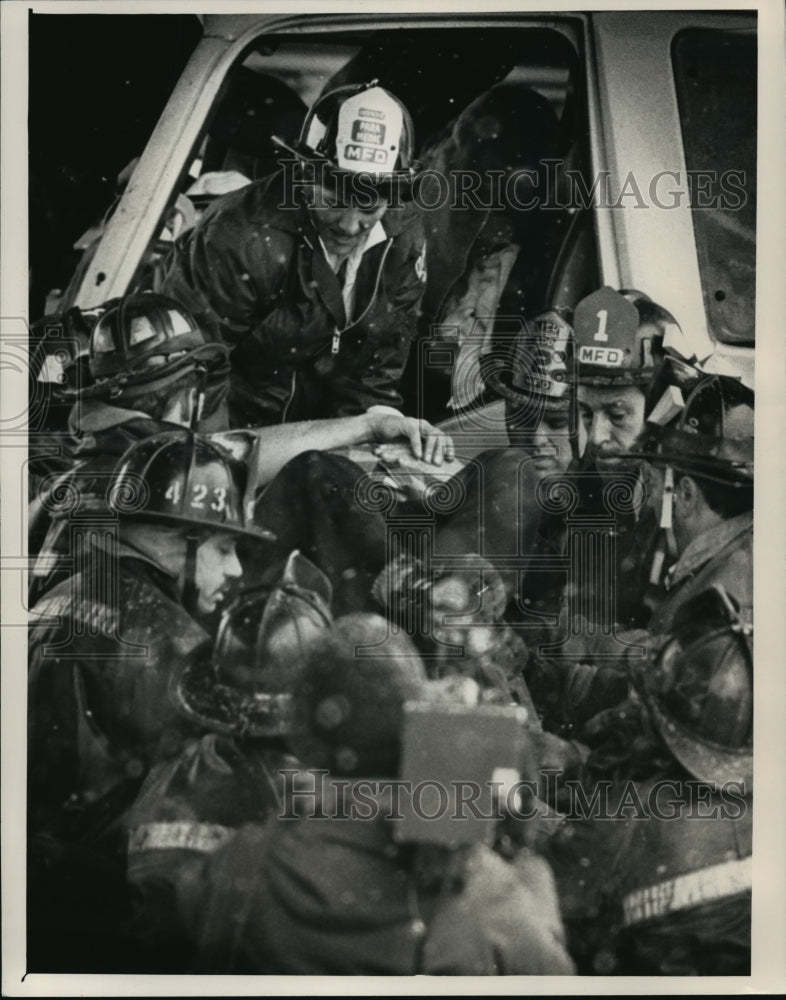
column 181, row 478
column 707, row 431
column 143, row 342
column 621, row 337
column 359, row 128
column 699, row 689
column 245, row 688
column 535, row 371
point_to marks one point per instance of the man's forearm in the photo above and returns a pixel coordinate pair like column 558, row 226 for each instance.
column 278, row 444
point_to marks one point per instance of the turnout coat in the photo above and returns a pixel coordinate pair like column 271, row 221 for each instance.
column 254, row 272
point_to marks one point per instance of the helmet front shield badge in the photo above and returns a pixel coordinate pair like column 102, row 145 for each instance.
column 360, row 129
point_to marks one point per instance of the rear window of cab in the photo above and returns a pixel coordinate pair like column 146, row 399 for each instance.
column 715, row 76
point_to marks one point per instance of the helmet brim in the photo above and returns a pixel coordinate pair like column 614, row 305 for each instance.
column 198, row 694
column 703, row 759
column 724, row 461
column 143, row 379
column 601, row 377
column 402, row 179
column 257, row 534
column 500, row 382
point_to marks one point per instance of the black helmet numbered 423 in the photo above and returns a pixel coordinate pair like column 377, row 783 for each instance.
column 182, row 478
column 359, row 129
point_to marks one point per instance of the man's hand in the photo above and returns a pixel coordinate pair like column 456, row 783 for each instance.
column 428, row 443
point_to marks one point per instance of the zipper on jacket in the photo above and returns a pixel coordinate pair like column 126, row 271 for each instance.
column 336, row 344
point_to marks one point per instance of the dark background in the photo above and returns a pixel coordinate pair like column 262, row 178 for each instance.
column 97, row 86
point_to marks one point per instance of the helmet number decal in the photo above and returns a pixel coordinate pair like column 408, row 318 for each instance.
column 220, row 501
column 199, row 494
column 173, row 493
column 198, row 499
column 603, row 317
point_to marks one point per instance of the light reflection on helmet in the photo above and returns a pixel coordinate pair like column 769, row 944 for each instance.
column 145, row 341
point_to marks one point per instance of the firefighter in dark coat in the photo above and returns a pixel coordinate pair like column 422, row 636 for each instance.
column 149, row 369
column 230, row 773
column 698, row 443
column 154, row 552
column 322, row 894
column 307, row 275
column 153, row 369
column 654, row 869
column 703, row 453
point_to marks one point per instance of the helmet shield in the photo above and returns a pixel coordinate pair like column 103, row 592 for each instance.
column 621, row 337
column 359, row 129
column 534, row 370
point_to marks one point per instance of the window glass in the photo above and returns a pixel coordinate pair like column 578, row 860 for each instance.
column 715, row 74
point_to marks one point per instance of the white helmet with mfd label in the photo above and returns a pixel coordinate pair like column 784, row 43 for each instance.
column 359, row 129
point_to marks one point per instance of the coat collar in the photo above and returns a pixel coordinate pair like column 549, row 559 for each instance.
column 319, row 271
column 707, row 545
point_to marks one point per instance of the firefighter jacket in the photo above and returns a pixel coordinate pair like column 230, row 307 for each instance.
column 723, row 556
column 654, row 876
column 97, row 437
column 190, row 806
column 101, row 648
column 253, row 270
column 319, row 894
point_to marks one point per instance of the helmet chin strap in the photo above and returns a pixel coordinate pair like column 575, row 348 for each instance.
column 666, row 543
column 573, row 429
column 190, row 589
column 198, row 398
